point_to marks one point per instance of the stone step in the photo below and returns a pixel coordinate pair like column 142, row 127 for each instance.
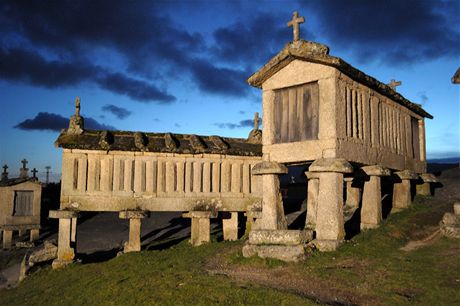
column 281, row 252
column 280, row 237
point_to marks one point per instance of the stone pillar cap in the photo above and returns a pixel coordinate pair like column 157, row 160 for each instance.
column 376, row 170
column 133, row 214
column 200, row 214
column 63, row 214
column 407, row 175
column 428, row 178
column 311, row 175
column 331, row 165
column 269, row 167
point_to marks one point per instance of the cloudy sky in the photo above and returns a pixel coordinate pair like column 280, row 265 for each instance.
column 181, row 66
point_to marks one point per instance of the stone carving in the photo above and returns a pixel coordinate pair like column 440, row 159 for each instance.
column 76, row 124
column 255, row 136
column 294, row 23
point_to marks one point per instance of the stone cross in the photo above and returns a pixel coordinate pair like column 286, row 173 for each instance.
column 256, row 121
column 393, row 84
column 4, row 173
column 24, row 163
column 47, row 174
column 77, row 107
column 34, row 173
column 294, row 23
column 23, row 172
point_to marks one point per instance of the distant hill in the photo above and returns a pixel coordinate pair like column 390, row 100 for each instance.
column 447, row 160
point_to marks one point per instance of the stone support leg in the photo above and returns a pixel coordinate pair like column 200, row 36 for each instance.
column 73, row 237
column 425, row 183
column 134, row 217
column 201, row 226
column 7, row 239
column 353, row 192
column 230, row 227
column 330, row 230
column 66, row 253
column 402, row 190
column 371, row 209
column 34, row 234
column 273, row 217
column 312, row 200
column 21, row 233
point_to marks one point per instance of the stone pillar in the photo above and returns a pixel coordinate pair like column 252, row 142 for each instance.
column 21, row 232
column 425, row 183
column 7, row 238
column 34, row 234
column 353, row 192
column 230, row 226
column 134, row 216
column 200, row 226
column 402, row 190
column 330, row 230
column 273, row 217
column 371, row 209
column 73, row 226
column 312, row 200
column 66, row 253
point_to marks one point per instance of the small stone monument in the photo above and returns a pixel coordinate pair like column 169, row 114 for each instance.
column 24, row 171
column 255, row 136
column 76, row 124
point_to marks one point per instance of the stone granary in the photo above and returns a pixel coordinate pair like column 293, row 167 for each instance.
column 20, row 200
column 348, row 128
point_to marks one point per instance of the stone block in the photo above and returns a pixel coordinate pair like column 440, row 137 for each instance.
column 7, row 239
column 457, row 208
column 371, row 209
column 450, row 225
column 63, row 214
column 280, row 237
column 34, row 234
column 133, row 214
column 338, row 165
column 44, row 253
column 407, row 175
column 200, row 231
column 267, row 167
column 291, row 253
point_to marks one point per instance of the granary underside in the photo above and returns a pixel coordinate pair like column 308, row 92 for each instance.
column 114, row 171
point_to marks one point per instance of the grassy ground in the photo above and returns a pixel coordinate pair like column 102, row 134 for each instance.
column 370, row 269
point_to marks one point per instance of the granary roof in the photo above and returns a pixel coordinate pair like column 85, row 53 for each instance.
column 16, row 181
column 317, row 53
column 157, row 142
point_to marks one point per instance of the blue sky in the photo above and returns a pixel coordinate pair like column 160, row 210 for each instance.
column 181, row 66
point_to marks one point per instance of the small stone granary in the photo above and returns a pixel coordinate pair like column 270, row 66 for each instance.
column 349, row 129
column 20, row 201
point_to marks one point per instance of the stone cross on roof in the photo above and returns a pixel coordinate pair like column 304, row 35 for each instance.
column 394, row 83
column 34, row 173
column 5, row 167
column 4, row 173
column 77, row 107
column 294, row 23
column 24, row 163
column 256, row 121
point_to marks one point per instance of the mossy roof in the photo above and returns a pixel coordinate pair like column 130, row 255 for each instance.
column 318, row 53
column 157, row 142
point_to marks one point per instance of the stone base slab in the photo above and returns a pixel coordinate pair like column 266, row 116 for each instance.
column 280, row 237
column 281, row 252
column 327, row 245
column 200, row 214
column 63, row 214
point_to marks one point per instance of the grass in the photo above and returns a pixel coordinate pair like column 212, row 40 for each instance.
column 370, row 268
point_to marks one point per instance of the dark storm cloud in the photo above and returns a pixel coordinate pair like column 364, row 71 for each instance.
column 30, row 67
column 135, row 89
column 119, row 112
column 55, row 122
column 393, row 31
column 242, row 124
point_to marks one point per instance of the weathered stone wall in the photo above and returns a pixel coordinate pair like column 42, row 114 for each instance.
column 113, row 181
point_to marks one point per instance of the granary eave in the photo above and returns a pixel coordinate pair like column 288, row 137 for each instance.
column 319, row 54
column 157, row 142
column 17, row 181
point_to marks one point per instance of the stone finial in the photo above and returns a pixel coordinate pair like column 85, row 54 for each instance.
column 393, row 83
column 4, row 173
column 23, row 172
column 76, row 124
column 34, row 173
column 140, row 141
column 105, row 140
column 255, row 136
column 294, row 23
